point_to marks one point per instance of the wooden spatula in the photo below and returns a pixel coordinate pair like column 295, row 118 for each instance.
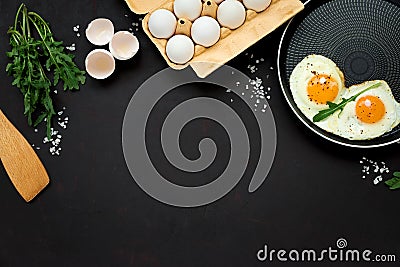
column 22, row 164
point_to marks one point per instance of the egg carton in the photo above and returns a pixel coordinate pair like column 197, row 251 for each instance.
column 231, row 43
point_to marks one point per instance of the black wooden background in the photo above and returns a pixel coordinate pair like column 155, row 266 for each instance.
column 94, row 214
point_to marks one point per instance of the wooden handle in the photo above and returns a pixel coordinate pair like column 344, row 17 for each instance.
column 23, row 166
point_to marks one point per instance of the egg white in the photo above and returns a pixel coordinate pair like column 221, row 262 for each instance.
column 299, row 79
column 350, row 127
column 301, row 75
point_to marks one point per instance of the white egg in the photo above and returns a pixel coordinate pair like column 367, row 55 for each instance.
column 162, row 23
column 189, row 9
column 180, row 49
column 373, row 113
column 313, row 82
column 205, row 31
column 257, row 5
column 231, row 14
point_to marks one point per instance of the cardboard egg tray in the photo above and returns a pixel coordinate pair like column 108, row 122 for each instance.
column 232, row 42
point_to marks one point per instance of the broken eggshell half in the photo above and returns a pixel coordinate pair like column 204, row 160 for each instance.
column 100, row 64
column 124, row 45
column 100, row 31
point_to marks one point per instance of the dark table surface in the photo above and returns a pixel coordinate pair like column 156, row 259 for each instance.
column 94, row 214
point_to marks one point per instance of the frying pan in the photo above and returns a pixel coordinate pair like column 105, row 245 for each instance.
column 361, row 36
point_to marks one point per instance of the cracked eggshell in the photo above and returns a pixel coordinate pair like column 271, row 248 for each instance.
column 189, row 9
column 162, row 23
column 124, row 45
column 205, row 31
column 180, row 49
column 100, row 64
column 257, row 5
column 231, row 14
column 100, row 31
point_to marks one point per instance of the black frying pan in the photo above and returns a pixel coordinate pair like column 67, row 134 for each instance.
column 361, row 36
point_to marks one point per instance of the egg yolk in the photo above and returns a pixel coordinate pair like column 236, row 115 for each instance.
column 322, row 88
column 370, row 109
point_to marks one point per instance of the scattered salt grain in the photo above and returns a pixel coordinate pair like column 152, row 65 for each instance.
column 76, row 31
column 55, row 140
column 254, row 88
column 252, row 69
column 378, row 179
column 373, row 168
column 71, row 47
column 136, row 24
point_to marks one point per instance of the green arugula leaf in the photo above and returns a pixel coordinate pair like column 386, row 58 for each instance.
column 333, row 107
column 393, row 183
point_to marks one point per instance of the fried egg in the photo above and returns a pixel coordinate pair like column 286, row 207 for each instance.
column 315, row 81
column 372, row 114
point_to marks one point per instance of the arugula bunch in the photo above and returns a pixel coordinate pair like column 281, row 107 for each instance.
column 31, row 61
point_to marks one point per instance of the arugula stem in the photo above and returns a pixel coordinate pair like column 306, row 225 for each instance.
column 43, row 23
column 28, row 28
column 23, row 27
column 17, row 16
column 44, row 40
column 333, row 107
column 15, row 35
